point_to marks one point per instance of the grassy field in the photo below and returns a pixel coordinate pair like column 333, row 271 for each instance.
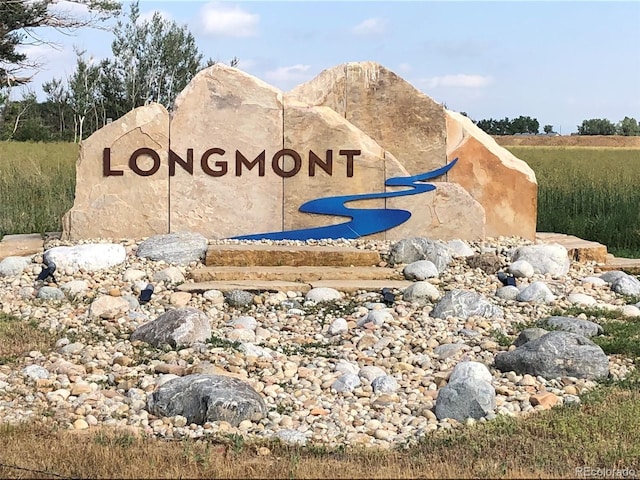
column 590, row 192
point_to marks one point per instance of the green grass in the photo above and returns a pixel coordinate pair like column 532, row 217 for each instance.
column 37, row 185
column 593, row 193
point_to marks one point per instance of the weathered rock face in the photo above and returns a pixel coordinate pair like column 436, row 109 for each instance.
column 128, row 205
column 225, row 108
column 504, row 185
column 556, row 354
column 243, row 158
column 386, row 107
column 207, row 398
column 181, row 327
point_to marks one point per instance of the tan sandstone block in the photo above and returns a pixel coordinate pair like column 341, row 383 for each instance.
column 318, row 129
column 225, row 108
column 400, row 118
column 130, row 204
column 504, row 185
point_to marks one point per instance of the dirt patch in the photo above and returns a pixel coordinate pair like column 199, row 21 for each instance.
column 605, row 141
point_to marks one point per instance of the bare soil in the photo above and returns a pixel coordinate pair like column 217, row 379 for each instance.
column 602, row 141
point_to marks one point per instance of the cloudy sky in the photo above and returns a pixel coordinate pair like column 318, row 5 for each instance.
column 559, row 62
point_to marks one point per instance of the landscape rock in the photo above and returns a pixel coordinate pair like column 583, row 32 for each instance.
column 50, row 293
column 239, row 298
column 176, row 328
column 178, row 248
column 412, row 249
column 552, row 259
column 89, row 257
column 338, row 326
column 627, row 285
column 75, row 288
column 595, row 281
column 464, row 304
column 247, row 322
column 475, row 370
column 489, row 263
column 322, row 294
column 467, row 397
column 377, row 317
column 460, row 248
column 12, row 266
column 581, row 299
column 108, row 307
column 207, row 398
column 346, row 383
column 420, row 270
column 575, row 325
column 521, row 269
column 371, row 372
column 612, row 275
column 508, row 293
column 384, row 384
column 529, row 334
column 631, row 310
column 556, row 354
column 536, row 292
column 169, row 275
column 421, row 292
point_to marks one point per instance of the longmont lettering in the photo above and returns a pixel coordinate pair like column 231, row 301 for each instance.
column 221, row 167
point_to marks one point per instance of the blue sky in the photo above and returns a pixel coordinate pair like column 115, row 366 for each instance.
column 559, row 62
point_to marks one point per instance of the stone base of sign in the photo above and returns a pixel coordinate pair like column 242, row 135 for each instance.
column 21, row 245
column 281, row 255
column 295, row 274
column 579, row 250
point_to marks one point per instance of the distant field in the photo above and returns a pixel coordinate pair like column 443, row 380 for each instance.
column 590, row 192
column 602, row 141
column 593, row 193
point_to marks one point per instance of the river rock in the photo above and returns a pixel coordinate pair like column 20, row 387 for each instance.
column 556, row 354
column 489, row 263
column 508, row 292
column 384, row 384
column 521, row 269
column 575, row 325
column 322, row 294
column 464, row 304
column 529, row 334
column 466, row 397
column 207, row 398
column 169, row 275
column 50, row 293
column 612, row 275
column 420, row 270
column 90, row 257
column 627, row 285
column 75, row 288
column 239, row 298
column 460, row 248
column 346, row 383
column 421, row 292
column 179, row 248
column 536, row 292
column 581, row 299
column 412, row 249
column 176, row 328
column 12, row 266
column 476, row 370
column 552, row 259
column 108, row 307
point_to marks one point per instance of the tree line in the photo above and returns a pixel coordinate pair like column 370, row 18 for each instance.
column 152, row 61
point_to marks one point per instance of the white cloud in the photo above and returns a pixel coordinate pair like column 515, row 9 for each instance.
column 370, row 26
column 73, row 9
column 460, row 80
column 294, row 73
column 147, row 16
column 223, row 20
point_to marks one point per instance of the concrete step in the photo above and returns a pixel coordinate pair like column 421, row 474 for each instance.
column 291, row 256
column 579, row 250
column 294, row 274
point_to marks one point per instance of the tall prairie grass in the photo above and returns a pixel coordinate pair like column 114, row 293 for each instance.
column 592, row 193
column 37, row 185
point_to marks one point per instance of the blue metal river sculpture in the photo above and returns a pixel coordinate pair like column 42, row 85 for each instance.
column 363, row 221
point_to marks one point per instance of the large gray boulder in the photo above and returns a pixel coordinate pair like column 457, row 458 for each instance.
column 176, row 328
column 421, row 292
column 556, row 354
column 464, row 304
column 575, row 325
column 468, row 394
column 207, row 398
column 550, row 259
column 412, row 249
column 529, row 334
column 179, row 248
